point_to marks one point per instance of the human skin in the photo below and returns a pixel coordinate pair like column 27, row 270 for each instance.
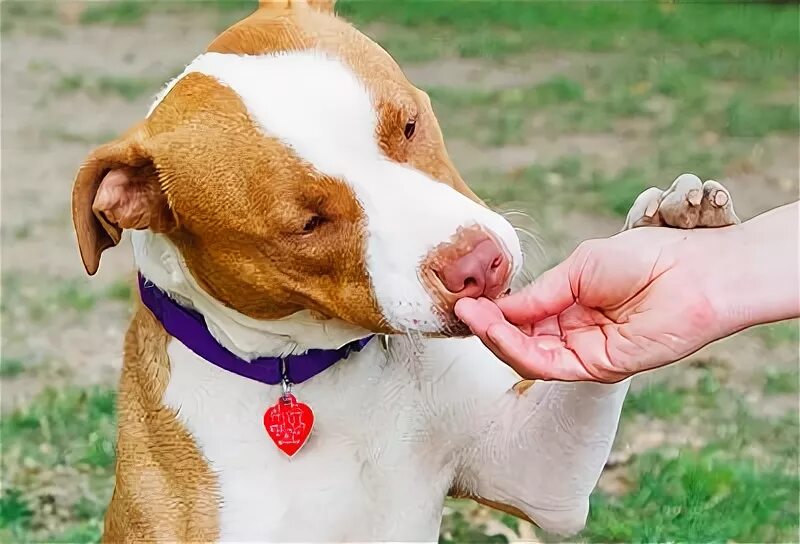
column 644, row 298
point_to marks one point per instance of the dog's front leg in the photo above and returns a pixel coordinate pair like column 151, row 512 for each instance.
column 541, row 451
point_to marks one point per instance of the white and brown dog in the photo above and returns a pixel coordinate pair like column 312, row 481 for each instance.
column 291, row 196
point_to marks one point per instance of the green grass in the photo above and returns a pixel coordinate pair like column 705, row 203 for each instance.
column 753, row 119
column 117, row 12
column 625, row 88
column 27, row 9
column 492, row 28
column 786, row 333
column 584, row 186
column 75, row 296
column 655, row 400
column 70, row 83
column 741, row 485
column 457, row 528
column 596, row 103
column 498, row 118
column 15, row 512
column 70, row 136
column 781, row 382
column 557, row 90
column 57, row 451
column 716, row 494
column 10, row 367
column 23, row 232
column 58, row 417
column 494, row 118
column 681, row 95
column 119, row 290
column 13, row 11
column 40, row 298
column 699, row 497
column 129, row 88
column 618, row 191
column 131, row 12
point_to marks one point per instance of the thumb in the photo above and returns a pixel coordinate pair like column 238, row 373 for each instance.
column 550, row 294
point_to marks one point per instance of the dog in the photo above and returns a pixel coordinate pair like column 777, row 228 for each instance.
column 294, row 370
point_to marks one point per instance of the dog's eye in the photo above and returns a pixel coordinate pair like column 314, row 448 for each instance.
column 314, row 222
column 410, row 128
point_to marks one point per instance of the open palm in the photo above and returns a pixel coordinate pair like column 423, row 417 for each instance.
column 613, row 308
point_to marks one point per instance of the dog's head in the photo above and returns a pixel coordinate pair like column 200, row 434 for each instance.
column 296, row 168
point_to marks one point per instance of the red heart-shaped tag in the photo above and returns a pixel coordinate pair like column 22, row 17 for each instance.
column 289, row 424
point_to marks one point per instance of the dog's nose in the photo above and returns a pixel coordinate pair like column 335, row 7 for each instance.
column 480, row 272
column 474, row 264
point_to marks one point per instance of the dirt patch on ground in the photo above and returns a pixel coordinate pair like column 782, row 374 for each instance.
column 53, row 113
column 765, row 178
column 606, row 152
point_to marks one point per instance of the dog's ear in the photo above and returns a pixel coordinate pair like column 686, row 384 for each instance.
column 319, row 5
column 117, row 187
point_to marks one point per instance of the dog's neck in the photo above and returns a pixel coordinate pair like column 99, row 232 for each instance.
column 160, row 262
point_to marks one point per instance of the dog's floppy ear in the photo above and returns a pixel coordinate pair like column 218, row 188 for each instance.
column 319, row 5
column 117, row 188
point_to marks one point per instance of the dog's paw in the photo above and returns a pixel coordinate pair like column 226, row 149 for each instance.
column 687, row 204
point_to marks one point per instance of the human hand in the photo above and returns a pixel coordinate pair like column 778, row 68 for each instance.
column 615, row 307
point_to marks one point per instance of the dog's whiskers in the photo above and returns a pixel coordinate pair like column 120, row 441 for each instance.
column 533, row 251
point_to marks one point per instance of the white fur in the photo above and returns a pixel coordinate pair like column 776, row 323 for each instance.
column 392, row 433
column 394, row 429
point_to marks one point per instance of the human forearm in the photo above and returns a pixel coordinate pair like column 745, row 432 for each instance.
column 757, row 277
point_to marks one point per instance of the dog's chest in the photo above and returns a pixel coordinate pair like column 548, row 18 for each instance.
column 374, row 467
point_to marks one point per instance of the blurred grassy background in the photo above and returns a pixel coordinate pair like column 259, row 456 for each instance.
column 566, row 109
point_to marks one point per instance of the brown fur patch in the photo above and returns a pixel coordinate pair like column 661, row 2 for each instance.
column 259, row 228
column 164, row 489
column 523, row 385
column 508, row 509
column 271, row 236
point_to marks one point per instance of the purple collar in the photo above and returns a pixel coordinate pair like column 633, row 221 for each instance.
column 189, row 327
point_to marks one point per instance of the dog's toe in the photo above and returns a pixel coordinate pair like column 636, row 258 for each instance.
column 717, row 206
column 680, row 206
column 645, row 209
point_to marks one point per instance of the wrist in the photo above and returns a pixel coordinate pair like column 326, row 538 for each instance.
column 731, row 283
column 712, row 266
column 752, row 271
